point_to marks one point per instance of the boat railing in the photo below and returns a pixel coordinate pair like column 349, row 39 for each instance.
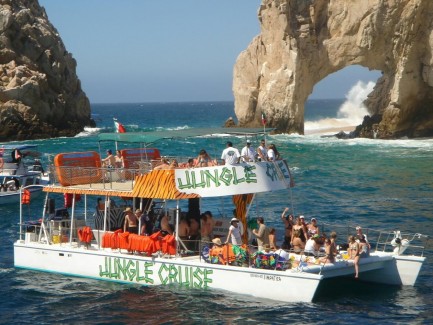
column 400, row 242
column 96, row 177
column 379, row 240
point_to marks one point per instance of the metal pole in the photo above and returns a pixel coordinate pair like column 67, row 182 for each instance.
column 72, row 221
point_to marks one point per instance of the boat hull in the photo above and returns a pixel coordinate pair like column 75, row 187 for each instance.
column 188, row 272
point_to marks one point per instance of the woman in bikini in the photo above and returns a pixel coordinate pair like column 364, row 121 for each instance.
column 302, row 229
column 329, row 257
column 364, row 247
column 297, row 244
column 354, row 254
column 203, row 159
column 313, row 228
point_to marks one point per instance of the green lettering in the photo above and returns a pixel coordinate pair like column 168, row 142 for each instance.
column 188, row 181
column 194, row 180
column 148, row 271
column 226, row 176
column 212, row 178
column 173, row 274
column 197, row 276
column 206, row 278
column 163, row 278
column 237, row 180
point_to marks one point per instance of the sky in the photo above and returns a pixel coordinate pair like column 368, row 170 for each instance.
column 166, row 51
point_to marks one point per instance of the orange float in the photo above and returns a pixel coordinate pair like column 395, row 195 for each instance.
column 68, row 174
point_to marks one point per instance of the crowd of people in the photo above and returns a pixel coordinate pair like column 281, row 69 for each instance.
column 229, row 156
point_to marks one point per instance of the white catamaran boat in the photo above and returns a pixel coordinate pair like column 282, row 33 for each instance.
column 16, row 172
column 64, row 242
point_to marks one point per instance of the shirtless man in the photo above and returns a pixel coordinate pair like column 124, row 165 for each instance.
column 131, row 221
column 165, row 224
column 110, row 160
column 183, row 228
column 288, row 226
column 207, row 224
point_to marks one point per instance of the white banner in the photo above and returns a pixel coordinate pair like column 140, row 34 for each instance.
column 225, row 180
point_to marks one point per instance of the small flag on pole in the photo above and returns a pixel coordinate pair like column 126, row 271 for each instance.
column 263, row 118
column 118, row 126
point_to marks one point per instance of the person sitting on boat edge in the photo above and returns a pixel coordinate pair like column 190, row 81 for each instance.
column 364, row 247
column 163, row 165
column 354, row 253
column 329, row 252
column 234, row 233
column 312, row 246
column 359, row 235
column 230, row 155
column 174, row 164
column 188, row 164
column 203, row 159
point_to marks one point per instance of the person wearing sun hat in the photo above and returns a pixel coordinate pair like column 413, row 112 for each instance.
column 234, row 233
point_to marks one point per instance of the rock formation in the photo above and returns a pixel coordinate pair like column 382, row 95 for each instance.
column 40, row 94
column 303, row 41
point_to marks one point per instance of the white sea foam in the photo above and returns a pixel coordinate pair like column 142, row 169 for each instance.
column 350, row 113
column 88, row 131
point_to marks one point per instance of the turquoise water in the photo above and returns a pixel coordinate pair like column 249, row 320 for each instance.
column 374, row 183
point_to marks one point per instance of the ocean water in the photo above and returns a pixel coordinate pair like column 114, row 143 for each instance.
column 374, row 183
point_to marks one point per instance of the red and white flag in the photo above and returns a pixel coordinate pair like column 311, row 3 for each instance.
column 263, row 118
column 119, row 126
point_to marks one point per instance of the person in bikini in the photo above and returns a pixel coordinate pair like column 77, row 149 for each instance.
column 312, row 228
column 300, row 225
column 364, row 247
column 330, row 255
column 354, row 254
column 297, row 244
column 203, row 159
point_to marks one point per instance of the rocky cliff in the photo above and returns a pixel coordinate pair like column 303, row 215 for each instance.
column 40, row 93
column 303, row 41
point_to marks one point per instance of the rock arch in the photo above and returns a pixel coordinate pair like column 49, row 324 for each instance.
column 303, row 41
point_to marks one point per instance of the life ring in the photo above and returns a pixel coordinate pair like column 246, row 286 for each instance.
column 1, row 162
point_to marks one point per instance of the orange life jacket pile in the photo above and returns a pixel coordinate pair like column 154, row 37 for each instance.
column 220, row 255
column 143, row 244
column 85, row 234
